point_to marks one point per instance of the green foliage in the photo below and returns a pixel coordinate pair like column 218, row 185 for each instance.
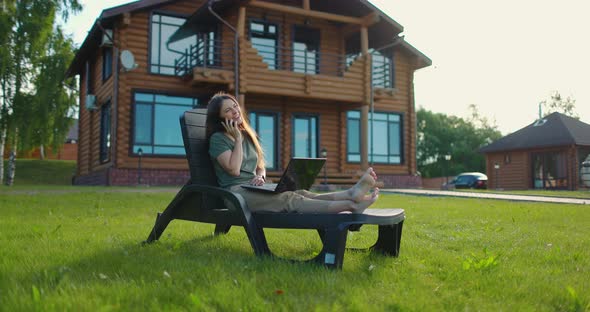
column 78, row 249
column 556, row 103
column 27, row 41
column 440, row 135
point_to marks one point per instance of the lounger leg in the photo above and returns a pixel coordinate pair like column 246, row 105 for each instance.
column 221, row 229
column 332, row 255
column 162, row 221
column 389, row 239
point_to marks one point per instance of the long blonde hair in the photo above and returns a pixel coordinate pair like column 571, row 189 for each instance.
column 214, row 123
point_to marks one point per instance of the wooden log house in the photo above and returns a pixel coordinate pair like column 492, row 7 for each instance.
column 316, row 77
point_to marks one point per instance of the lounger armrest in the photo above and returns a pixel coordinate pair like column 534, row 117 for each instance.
column 236, row 200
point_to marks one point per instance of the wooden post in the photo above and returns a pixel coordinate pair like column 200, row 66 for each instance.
column 365, row 104
column 241, row 29
column 306, row 5
column 242, row 100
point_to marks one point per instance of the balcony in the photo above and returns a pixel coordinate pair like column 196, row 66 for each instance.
column 269, row 69
column 210, row 61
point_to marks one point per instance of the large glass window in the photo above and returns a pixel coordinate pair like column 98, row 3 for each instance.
column 156, row 129
column 263, row 36
column 305, row 136
column 105, row 132
column 385, row 137
column 306, row 46
column 265, row 125
column 549, row 171
column 162, row 56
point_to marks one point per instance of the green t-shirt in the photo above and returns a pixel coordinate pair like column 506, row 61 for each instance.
column 219, row 143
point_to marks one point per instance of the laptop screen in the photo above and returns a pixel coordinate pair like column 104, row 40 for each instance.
column 300, row 174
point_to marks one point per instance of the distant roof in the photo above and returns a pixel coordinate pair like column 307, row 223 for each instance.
column 554, row 130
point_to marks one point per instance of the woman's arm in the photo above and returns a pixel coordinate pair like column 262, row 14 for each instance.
column 231, row 161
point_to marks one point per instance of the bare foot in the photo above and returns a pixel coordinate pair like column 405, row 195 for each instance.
column 366, row 182
column 361, row 206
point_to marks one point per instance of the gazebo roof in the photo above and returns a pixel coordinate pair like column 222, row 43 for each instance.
column 553, row 130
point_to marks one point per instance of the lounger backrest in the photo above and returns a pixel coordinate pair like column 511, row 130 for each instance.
column 192, row 124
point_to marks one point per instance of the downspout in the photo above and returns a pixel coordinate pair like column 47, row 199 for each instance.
column 114, row 105
column 236, row 47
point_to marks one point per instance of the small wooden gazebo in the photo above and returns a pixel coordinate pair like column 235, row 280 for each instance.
column 547, row 154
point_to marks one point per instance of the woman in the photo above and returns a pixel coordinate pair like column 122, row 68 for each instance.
column 238, row 159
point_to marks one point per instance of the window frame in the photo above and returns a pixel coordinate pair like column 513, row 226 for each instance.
column 370, row 155
column 104, row 150
column 200, row 102
column 150, row 33
column 277, row 39
column 317, row 56
column 107, row 63
column 276, row 117
column 308, row 116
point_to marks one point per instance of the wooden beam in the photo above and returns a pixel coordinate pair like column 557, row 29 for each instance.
column 364, row 40
column 241, row 29
column 306, row 5
column 364, row 136
column 370, row 19
column 307, row 13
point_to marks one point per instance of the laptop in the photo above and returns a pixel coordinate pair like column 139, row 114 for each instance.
column 299, row 175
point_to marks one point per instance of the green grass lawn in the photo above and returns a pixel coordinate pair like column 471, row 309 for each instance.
column 81, row 251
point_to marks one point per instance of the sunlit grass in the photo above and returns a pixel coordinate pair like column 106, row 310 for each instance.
column 81, row 251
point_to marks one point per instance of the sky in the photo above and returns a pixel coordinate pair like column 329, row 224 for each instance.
column 504, row 56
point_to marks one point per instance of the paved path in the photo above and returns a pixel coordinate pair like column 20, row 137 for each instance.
column 546, row 199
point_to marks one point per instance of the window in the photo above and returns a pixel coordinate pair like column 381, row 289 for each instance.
column 162, row 55
column 305, row 136
column 263, row 36
column 156, row 129
column 265, row 125
column 89, row 79
column 385, row 138
column 105, row 132
column 306, row 46
column 107, row 63
column 383, row 70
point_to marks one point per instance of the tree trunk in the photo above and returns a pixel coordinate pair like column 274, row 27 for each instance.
column 11, row 168
column 2, row 141
column 42, row 152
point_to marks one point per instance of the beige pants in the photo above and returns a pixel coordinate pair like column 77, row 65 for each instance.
column 297, row 201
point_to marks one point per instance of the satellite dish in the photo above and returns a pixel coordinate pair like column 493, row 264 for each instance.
column 128, row 60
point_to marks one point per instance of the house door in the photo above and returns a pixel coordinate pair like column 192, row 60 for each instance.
column 549, row 171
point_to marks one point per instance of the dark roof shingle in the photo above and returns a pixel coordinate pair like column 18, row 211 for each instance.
column 556, row 130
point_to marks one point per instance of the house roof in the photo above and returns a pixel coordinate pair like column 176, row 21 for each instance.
column 90, row 44
column 382, row 33
column 554, row 130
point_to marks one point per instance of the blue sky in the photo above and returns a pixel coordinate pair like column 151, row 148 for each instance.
column 505, row 56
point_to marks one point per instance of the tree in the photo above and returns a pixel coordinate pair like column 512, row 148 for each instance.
column 440, row 135
column 26, row 31
column 556, row 103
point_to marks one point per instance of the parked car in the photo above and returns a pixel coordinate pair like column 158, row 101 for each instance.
column 469, row 180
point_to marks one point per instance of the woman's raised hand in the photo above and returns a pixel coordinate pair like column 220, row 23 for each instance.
column 231, row 126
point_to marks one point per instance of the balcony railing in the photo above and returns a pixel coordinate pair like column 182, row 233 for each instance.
column 301, row 60
column 382, row 74
column 206, row 54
